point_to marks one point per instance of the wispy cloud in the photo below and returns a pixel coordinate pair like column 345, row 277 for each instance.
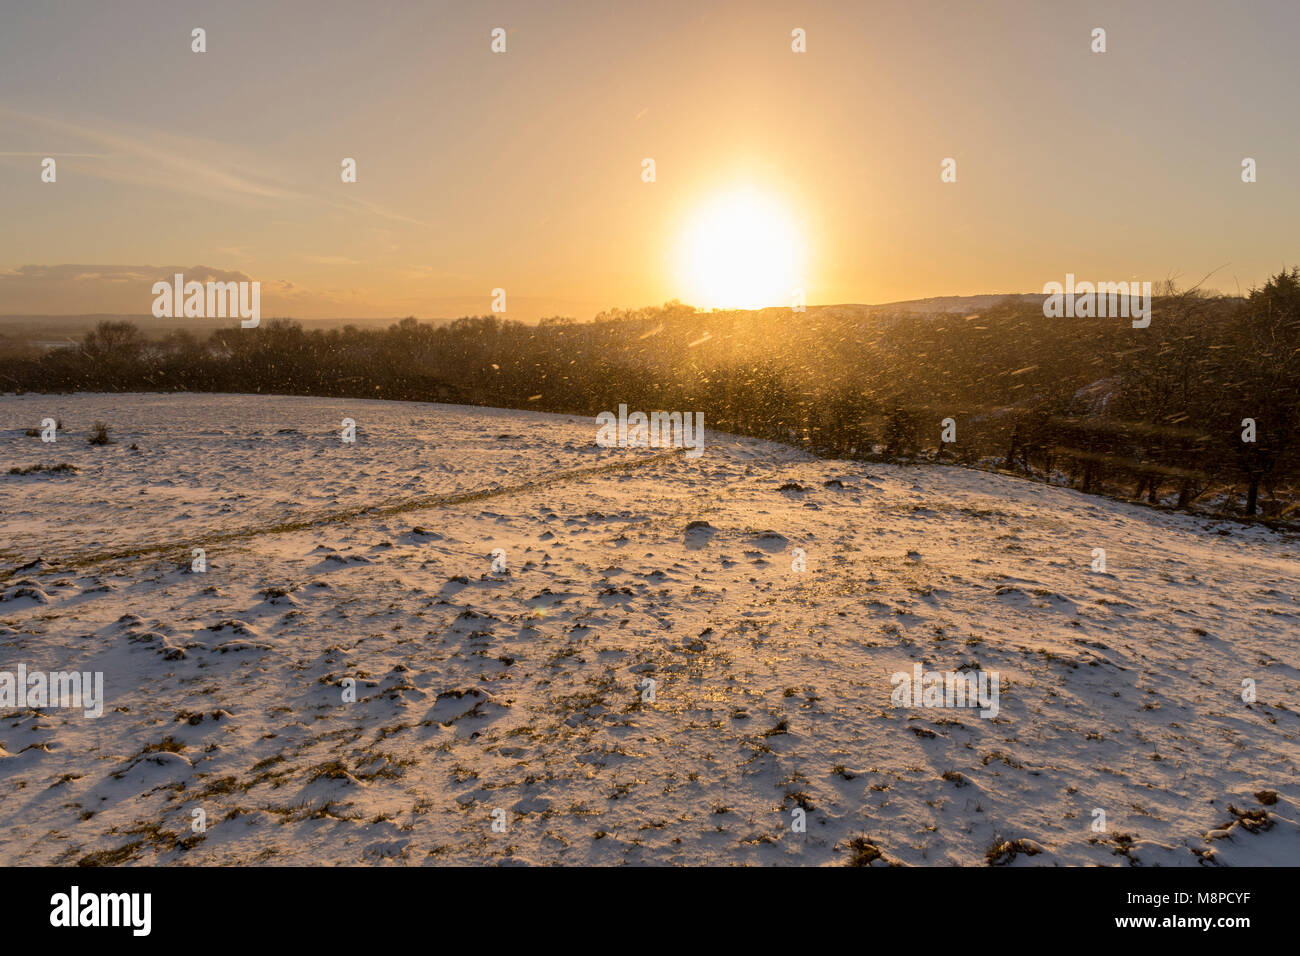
column 62, row 155
column 181, row 164
column 165, row 161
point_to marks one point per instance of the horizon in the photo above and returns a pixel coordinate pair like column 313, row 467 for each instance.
column 950, row 304
column 146, row 316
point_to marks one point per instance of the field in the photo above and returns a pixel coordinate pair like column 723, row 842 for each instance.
column 527, row 689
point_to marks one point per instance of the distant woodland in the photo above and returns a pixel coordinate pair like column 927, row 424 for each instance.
column 1156, row 414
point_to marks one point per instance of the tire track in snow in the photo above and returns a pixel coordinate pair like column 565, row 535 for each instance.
column 423, row 502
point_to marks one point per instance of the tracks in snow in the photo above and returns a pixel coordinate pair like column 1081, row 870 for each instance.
column 73, row 562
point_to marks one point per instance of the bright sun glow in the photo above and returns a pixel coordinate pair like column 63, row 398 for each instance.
column 741, row 251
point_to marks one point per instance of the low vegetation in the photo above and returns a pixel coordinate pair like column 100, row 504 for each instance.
column 1156, row 414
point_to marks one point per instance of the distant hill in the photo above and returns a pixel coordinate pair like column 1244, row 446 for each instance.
column 72, row 324
column 942, row 303
column 62, row 323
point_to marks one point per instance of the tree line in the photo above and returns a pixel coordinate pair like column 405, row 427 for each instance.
column 1199, row 410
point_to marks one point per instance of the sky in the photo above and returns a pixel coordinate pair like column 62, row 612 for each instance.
column 524, row 170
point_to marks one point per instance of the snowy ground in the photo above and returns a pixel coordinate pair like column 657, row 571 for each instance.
column 522, row 691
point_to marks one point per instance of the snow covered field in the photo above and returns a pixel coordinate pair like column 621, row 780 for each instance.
column 524, row 690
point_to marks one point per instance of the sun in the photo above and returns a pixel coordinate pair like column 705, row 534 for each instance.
column 741, row 250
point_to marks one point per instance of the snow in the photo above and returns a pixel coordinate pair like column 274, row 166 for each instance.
column 521, row 690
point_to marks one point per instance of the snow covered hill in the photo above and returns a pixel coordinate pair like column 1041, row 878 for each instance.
column 650, row 679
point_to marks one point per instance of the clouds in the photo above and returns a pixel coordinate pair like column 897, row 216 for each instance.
column 81, row 288
column 87, row 289
column 170, row 162
column 71, row 272
column 161, row 160
column 84, row 289
column 243, row 202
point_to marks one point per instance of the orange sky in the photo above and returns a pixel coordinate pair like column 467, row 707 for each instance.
column 523, row 170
